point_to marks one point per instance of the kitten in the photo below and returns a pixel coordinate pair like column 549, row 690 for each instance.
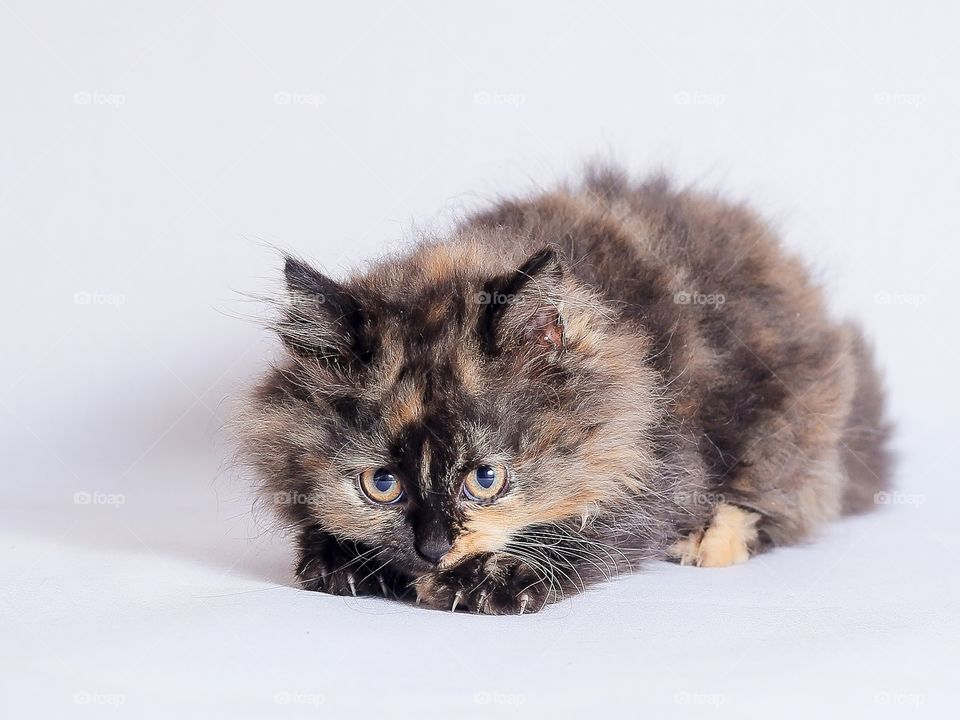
column 567, row 386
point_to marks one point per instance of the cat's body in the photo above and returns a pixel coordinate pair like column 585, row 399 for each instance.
column 567, row 386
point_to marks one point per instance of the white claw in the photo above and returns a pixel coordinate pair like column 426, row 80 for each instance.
column 482, row 601
column 352, row 584
column 383, row 587
column 456, row 601
column 523, row 603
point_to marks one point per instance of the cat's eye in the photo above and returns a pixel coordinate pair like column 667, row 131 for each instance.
column 484, row 483
column 381, row 486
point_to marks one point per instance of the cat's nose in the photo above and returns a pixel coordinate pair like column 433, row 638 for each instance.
column 432, row 548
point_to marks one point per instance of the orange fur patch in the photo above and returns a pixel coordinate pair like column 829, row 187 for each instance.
column 405, row 408
column 489, row 527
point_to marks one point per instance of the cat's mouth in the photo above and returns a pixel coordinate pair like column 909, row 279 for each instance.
column 413, row 563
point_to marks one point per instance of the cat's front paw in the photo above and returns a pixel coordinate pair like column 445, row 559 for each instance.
column 342, row 568
column 489, row 583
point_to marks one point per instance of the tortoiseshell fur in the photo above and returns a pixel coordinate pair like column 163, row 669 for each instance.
column 661, row 380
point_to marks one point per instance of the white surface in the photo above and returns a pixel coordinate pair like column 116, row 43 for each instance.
column 147, row 159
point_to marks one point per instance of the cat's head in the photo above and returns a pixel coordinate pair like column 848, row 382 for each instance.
column 446, row 402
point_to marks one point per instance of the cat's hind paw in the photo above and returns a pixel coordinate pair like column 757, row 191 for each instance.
column 727, row 540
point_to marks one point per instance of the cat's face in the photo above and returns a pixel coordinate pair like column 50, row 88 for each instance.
column 442, row 406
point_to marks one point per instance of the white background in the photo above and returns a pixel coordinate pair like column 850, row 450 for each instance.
column 153, row 158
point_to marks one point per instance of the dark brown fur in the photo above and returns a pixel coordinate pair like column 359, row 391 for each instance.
column 649, row 364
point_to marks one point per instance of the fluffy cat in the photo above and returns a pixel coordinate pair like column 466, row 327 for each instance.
column 567, row 386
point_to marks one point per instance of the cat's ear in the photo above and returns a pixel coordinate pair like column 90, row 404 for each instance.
column 526, row 306
column 322, row 318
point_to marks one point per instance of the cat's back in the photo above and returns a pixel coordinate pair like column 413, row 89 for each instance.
column 663, row 254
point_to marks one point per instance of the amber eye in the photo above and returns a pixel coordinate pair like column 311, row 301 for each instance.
column 381, row 486
column 485, row 482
